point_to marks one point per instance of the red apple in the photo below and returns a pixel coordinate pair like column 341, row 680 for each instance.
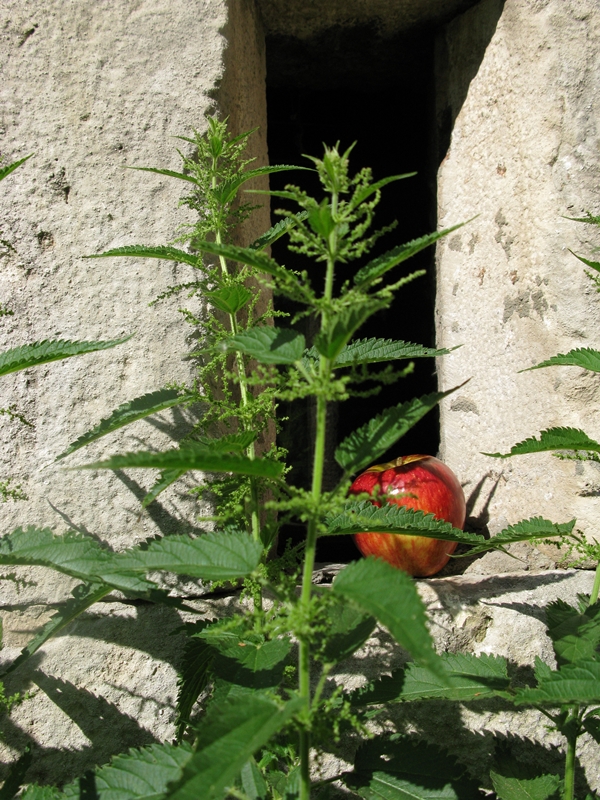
column 423, row 483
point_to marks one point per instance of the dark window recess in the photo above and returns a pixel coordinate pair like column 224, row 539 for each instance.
column 351, row 85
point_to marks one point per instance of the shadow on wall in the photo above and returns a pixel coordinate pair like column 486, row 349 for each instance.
column 459, row 51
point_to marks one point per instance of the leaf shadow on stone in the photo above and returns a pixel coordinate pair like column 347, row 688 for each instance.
column 180, row 426
column 451, row 592
column 94, row 716
column 442, row 722
column 479, row 523
column 73, row 526
column 166, row 522
column 151, row 630
column 461, row 559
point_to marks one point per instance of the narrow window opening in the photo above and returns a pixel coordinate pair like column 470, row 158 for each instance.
column 346, row 85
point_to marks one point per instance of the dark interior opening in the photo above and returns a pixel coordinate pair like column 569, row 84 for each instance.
column 346, row 85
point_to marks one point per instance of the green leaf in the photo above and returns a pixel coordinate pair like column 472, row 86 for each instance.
column 35, row 792
column 75, row 555
column 390, row 596
column 589, row 218
column 379, row 266
column 365, row 445
column 592, row 264
column 348, row 629
column 524, row 531
column 31, row 355
column 468, row 677
column 552, row 439
column 575, row 636
column 583, row 357
column 363, row 516
column 320, row 219
column 144, row 774
column 403, row 770
column 226, row 192
column 277, row 231
column 371, row 351
column 212, row 556
column 190, row 457
column 160, row 252
column 253, row 783
column 166, row 478
column 366, row 191
column 243, row 255
column 342, row 326
column 230, row 733
column 270, row 345
column 515, row 788
column 541, row 670
column 169, row 173
column 4, row 171
column 194, row 676
column 84, row 596
column 253, row 666
column 128, row 412
column 232, row 443
column 571, row 684
column 229, row 299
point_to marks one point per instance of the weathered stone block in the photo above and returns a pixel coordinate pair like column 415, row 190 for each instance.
column 519, row 81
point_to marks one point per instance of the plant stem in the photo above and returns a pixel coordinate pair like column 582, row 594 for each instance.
column 311, row 543
column 241, row 371
column 596, row 586
column 569, row 781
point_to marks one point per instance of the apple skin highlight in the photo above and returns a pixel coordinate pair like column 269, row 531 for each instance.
column 425, row 484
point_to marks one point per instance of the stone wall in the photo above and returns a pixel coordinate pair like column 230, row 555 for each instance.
column 90, row 91
column 519, row 114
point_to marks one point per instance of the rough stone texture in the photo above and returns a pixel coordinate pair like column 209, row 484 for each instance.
column 89, row 92
column 520, row 83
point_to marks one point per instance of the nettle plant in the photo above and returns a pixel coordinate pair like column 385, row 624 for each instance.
column 265, row 674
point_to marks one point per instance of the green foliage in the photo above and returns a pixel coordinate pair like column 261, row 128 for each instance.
column 368, row 443
column 371, row 351
column 270, row 345
column 192, row 456
column 399, row 607
column 262, row 671
column 583, row 357
column 212, row 557
column 553, row 439
column 128, row 412
column 401, row 769
column 31, row 355
column 355, row 517
column 466, row 677
column 512, row 787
